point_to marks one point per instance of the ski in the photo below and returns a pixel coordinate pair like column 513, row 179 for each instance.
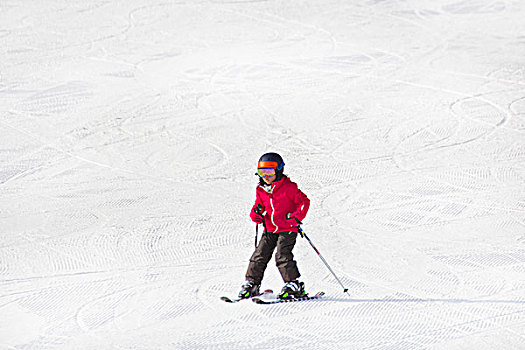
column 230, row 300
column 236, row 300
column 260, row 300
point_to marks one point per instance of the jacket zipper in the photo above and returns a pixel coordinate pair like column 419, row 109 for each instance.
column 271, row 216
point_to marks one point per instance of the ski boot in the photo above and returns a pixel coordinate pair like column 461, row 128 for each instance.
column 249, row 289
column 291, row 290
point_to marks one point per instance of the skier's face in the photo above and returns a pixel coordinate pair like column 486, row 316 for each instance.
column 269, row 179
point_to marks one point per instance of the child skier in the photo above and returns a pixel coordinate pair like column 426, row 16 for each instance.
column 278, row 202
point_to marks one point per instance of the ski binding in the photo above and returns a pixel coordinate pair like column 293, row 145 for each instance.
column 236, row 300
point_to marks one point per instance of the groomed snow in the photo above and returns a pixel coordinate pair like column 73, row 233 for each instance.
column 129, row 136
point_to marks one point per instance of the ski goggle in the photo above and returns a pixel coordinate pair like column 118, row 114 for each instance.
column 266, row 172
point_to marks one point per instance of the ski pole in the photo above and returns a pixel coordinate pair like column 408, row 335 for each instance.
column 301, row 232
column 258, row 212
column 345, row 290
column 256, row 234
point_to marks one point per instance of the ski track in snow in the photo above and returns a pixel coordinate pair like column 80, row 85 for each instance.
column 129, row 135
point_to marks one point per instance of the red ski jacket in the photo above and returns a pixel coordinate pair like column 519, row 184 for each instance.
column 279, row 199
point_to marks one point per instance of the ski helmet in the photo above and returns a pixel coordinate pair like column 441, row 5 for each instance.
column 271, row 160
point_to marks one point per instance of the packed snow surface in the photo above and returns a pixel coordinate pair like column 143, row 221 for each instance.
column 129, row 137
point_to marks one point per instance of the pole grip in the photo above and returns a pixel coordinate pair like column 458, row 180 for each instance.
column 258, row 210
column 289, row 216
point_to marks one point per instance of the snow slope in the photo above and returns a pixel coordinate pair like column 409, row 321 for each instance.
column 129, row 135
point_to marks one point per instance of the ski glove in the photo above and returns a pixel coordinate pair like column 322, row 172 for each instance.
column 259, row 215
column 294, row 221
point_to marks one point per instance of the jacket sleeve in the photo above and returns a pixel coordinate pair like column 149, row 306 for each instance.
column 303, row 204
column 253, row 215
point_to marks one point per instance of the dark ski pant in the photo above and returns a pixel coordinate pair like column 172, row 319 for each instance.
column 284, row 242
